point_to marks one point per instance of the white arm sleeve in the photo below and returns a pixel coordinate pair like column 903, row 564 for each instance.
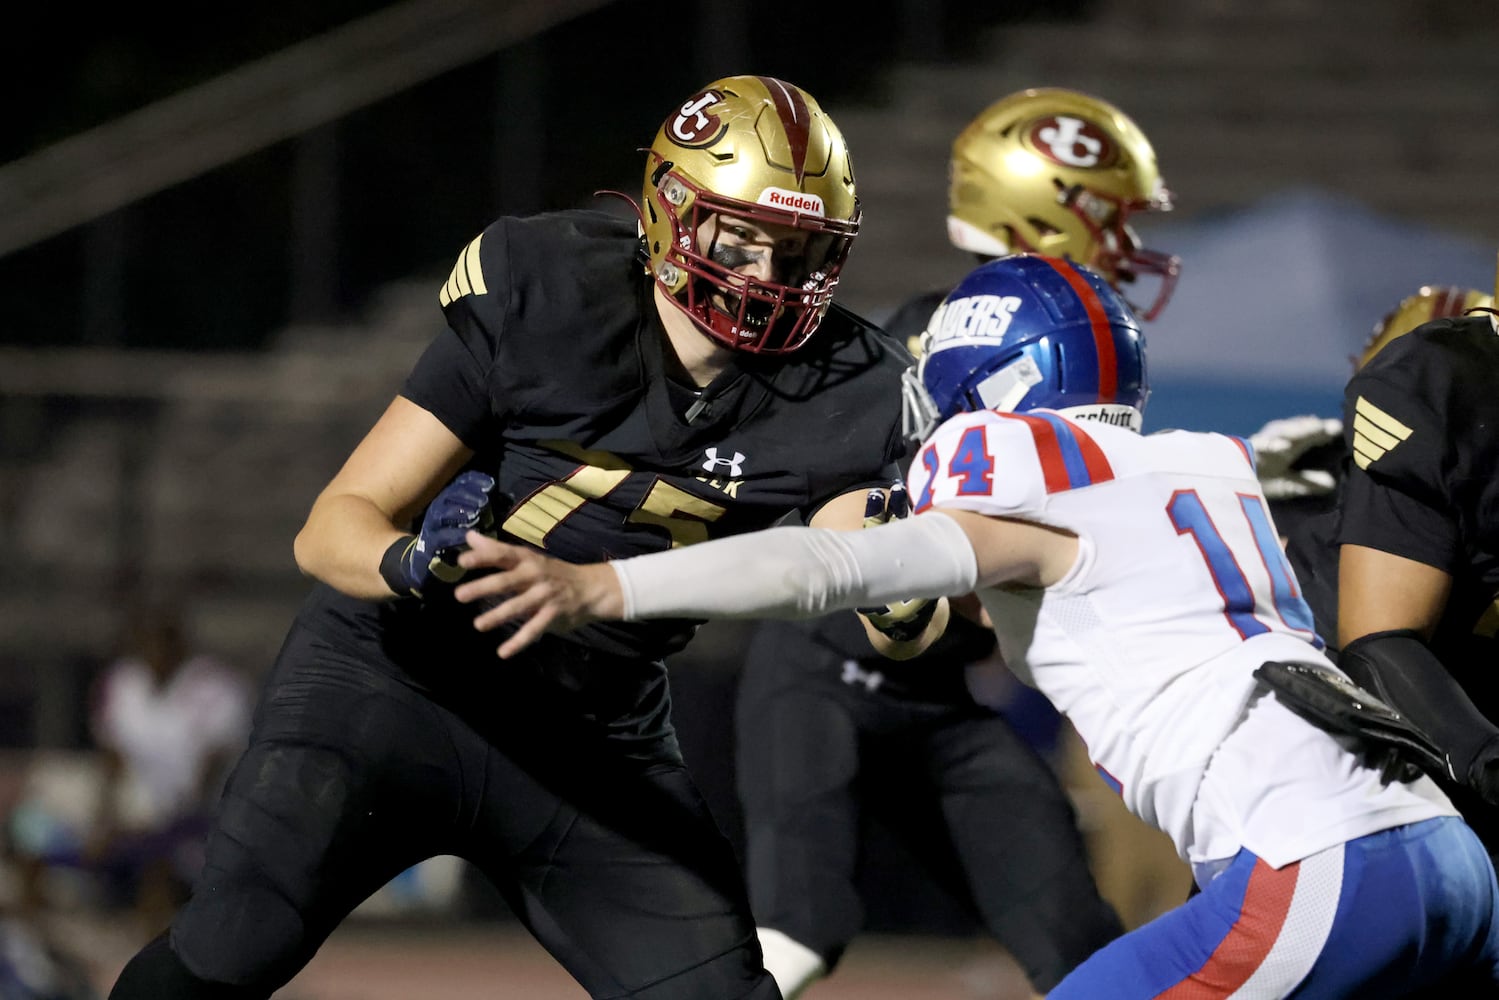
column 800, row 572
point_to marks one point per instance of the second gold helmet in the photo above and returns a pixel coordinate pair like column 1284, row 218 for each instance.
column 1431, row 302
column 760, row 149
column 1059, row 172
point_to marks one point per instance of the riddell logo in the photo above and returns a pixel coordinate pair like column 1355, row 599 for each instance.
column 792, row 201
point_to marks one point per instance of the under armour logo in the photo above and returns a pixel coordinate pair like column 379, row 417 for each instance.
column 855, row 675
column 714, row 464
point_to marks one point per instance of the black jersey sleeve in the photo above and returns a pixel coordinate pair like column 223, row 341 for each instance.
column 451, row 379
column 1399, row 493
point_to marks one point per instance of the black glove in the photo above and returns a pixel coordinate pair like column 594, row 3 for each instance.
column 900, row 620
column 1483, row 773
column 1383, row 738
column 1401, row 669
column 413, row 562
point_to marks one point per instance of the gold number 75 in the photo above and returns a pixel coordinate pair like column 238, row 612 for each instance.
column 685, row 517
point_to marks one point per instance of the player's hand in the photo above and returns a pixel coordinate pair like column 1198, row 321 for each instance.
column 1281, row 444
column 901, row 621
column 432, row 556
column 542, row 593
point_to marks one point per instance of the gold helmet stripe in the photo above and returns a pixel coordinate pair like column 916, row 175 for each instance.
column 791, row 108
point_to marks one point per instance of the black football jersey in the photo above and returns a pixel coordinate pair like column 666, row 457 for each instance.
column 909, row 321
column 554, row 370
column 1421, row 425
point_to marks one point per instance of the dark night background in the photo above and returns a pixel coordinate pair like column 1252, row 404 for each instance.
column 206, row 263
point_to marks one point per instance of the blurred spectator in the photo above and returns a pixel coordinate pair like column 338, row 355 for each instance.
column 166, row 722
column 32, row 967
column 169, row 721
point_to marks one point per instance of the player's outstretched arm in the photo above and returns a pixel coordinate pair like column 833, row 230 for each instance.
column 779, row 573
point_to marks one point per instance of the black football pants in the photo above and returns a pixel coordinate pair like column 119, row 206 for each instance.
column 596, row 837
column 975, row 805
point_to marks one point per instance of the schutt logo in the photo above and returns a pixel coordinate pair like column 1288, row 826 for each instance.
column 1117, row 416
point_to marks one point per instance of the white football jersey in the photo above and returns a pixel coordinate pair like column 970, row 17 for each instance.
column 1148, row 645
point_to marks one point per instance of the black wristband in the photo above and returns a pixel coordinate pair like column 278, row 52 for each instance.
column 393, row 568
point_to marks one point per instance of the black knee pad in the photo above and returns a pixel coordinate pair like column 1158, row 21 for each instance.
column 247, row 936
column 156, row 973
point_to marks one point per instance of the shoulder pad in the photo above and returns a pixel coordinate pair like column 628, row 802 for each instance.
column 473, row 297
column 1006, row 463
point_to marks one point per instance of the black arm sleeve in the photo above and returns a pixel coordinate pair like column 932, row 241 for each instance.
column 1398, row 666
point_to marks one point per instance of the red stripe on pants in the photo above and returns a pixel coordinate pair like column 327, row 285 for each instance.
column 1267, row 900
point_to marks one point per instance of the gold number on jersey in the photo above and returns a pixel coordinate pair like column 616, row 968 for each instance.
column 554, row 503
column 684, row 516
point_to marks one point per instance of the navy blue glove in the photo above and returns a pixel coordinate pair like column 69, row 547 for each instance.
column 414, row 563
column 900, row 620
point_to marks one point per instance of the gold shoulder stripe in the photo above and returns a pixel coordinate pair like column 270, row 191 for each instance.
column 1375, row 433
column 467, row 276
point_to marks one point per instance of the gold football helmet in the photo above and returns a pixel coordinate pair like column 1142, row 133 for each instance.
column 1058, row 172
column 757, row 149
column 1431, row 302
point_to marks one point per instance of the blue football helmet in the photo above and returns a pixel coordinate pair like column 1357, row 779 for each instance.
column 1028, row 332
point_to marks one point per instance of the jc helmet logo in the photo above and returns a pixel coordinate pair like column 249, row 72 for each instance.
column 693, row 126
column 1072, row 142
